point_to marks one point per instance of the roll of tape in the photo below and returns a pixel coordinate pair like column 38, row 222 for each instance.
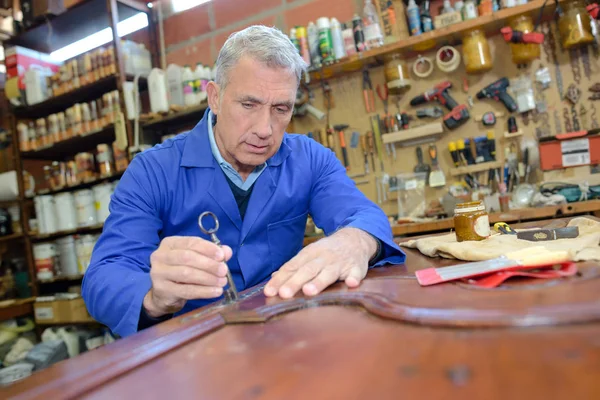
column 448, row 59
column 423, row 67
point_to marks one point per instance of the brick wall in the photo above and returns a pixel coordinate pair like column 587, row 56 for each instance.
column 196, row 35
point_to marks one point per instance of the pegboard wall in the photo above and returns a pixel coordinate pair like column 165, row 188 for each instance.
column 573, row 66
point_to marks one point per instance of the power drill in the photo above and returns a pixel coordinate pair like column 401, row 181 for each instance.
column 497, row 91
column 458, row 114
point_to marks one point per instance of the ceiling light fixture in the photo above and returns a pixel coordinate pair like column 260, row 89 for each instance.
column 124, row 28
column 182, row 5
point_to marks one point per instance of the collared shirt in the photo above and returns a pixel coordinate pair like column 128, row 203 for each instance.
column 227, row 168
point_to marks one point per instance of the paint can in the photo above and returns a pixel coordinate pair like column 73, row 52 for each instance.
column 45, row 212
column 66, row 214
column 85, row 246
column 45, row 258
column 102, row 195
column 86, row 210
column 67, row 256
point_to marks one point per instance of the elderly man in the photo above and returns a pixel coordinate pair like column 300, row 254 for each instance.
column 153, row 262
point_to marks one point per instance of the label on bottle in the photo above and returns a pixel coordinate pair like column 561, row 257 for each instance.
column 188, row 87
column 481, row 226
column 427, row 24
column 325, row 45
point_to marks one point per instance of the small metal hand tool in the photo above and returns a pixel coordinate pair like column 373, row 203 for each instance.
column 230, row 293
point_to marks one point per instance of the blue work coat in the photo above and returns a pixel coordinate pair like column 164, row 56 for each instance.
column 167, row 187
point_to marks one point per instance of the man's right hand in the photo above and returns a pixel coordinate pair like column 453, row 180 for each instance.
column 185, row 268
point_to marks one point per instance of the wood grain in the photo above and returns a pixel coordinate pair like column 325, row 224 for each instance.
column 389, row 336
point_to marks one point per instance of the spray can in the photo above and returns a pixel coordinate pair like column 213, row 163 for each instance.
column 359, row 36
column 325, row 41
column 338, row 41
column 294, row 39
column 414, row 18
column 313, row 44
column 303, row 43
column 348, row 38
column 426, row 21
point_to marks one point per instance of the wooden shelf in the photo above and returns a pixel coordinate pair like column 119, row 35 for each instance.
column 68, row 27
column 68, row 148
column 56, row 235
column 414, row 136
column 470, row 169
column 83, row 185
column 188, row 115
column 14, row 236
column 16, row 308
column 60, row 103
column 448, row 35
column 61, row 279
column 512, row 216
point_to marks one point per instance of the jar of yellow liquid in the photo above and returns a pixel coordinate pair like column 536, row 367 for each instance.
column 575, row 25
column 471, row 221
column 523, row 53
column 476, row 52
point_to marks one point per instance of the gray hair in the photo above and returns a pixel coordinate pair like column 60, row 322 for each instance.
column 267, row 45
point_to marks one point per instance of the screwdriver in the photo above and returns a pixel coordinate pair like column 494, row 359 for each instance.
column 363, row 146
column 371, row 148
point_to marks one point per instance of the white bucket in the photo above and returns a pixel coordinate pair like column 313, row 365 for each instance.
column 66, row 214
column 67, row 256
column 45, row 259
column 102, row 195
column 46, row 214
column 86, row 210
column 85, row 247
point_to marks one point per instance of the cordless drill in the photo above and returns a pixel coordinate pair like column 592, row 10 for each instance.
column 497, row 91
column 458, row 114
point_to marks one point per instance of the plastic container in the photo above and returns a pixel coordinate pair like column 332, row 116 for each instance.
column 372, row 29
column 414, row 18
column 86, row 208
column 189, row 97
column 102, row 195
column 46, row 215
column 175, row 85
column 157, row 86
column 476, row 52
column 397, row 76
column 67, row 256
column 523, row 53
column 471, row 221
column 66, row 215
column 575, row 25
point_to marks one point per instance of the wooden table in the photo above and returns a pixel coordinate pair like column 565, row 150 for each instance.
column 390, row 338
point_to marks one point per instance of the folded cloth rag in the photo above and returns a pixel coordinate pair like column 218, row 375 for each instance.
column 583, row 248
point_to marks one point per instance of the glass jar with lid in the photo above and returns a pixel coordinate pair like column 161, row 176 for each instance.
column 523, row 53
column 575, row 25
column 476, row 52
column 471, row 221
column 397, row 76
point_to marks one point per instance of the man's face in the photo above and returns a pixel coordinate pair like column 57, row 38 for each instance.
column 253, row 112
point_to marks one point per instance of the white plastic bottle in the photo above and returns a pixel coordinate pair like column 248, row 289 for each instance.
column 447, row 7
column 175, row 84
column 157, row 86
column 188, row 86
column 372, row 30
column 338, row 41
column 198, row 78
column 414, row 18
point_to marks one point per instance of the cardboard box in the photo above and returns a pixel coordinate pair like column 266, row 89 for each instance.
column 392, row 19
column 20, row 59
column 61, row 311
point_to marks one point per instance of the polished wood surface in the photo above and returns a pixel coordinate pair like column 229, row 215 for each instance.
column 388, row 338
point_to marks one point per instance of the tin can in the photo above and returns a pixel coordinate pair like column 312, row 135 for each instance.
column 102, row 194
column 67, row 256
column 84, row 246
column 325, row 40
column 45, row 257
column 86, row 208
column 66, row 215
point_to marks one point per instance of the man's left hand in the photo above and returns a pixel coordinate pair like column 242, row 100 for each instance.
column 343, row 256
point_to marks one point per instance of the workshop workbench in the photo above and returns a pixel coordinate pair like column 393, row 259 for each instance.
column 591, row 207
column 387, row 339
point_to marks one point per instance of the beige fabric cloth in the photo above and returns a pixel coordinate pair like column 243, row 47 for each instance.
column 583, row 248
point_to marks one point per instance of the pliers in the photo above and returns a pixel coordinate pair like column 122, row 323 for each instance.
column 368, row 94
